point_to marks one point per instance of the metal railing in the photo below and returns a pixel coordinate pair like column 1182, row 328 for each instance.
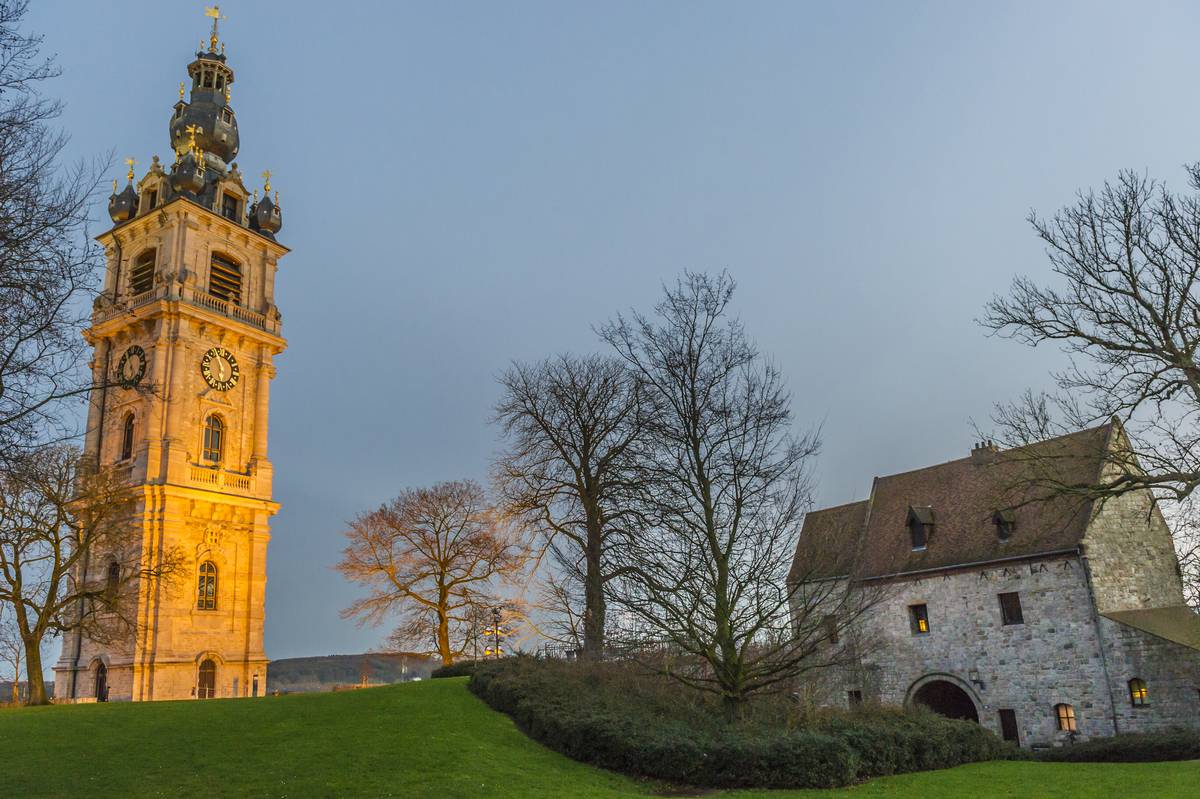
column 199, row 299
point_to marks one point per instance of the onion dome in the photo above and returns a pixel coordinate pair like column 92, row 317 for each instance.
column 123, row 207
column 265, row 216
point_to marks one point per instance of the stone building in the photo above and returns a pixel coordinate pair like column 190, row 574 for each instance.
column 185, row 332
column 1041, row 615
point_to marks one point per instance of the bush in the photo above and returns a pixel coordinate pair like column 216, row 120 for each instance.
column 1147, row 747
column 604, row 716
column 463, row 668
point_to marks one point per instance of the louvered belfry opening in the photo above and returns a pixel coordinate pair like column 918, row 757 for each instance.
column 141, row 278
column 225, row 279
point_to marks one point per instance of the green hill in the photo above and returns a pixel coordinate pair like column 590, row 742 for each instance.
column 419, row 740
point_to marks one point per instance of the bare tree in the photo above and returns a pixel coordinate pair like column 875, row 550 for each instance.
column 722, row 489
column 53, row 519
column 47, row 263
column 432, row 556
column 12, row 650
column 1125, row 307
column 572, row 424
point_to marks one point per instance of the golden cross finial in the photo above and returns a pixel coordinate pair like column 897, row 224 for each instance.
column 267, row 177
column 181, row 91
column 192, row 130
column 130, row 162
column 213, row 11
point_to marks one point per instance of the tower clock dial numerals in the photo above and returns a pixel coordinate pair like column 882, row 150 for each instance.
column 220, row 369
column 132, row 367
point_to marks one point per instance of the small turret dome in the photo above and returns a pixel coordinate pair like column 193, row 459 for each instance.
column 123, row 206
column 266, row 217
column 188, row 174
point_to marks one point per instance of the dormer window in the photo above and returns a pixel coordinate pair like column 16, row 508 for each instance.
column 229, row 207
column 226, row 116
column 152, row 202
column 920, row 526
column 1005, row 521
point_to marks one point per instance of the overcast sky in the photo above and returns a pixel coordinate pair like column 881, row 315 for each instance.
column 464, row 184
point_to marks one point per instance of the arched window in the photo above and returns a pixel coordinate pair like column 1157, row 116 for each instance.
column 127, row 438
column 101, row 687
column 112, row 580
column 206, row 685
column 206, row 587
column 225, row 279
column 1137, row 692
column 1065, row 716
column 214, row 438
column 141, row 277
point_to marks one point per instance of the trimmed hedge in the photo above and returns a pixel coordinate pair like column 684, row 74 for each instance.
column 1150, row 747
column 463, row 668
column 573, row 712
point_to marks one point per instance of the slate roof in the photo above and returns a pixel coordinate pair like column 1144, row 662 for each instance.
column 1177, row 623
column 965, row 496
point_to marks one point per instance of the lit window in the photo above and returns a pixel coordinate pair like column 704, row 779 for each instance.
column 141, row 278
column 225, row 279
column 214, row 438
column 1010, row 609
column 127, row 438
column 1137, row 692
column 206, row 587
column 1065, row 715
column 918, row 616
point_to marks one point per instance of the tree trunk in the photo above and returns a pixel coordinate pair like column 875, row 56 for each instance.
column 443, row 638
column 593, row 617
column 33, row 675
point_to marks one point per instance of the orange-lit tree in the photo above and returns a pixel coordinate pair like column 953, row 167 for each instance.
column 434, row 557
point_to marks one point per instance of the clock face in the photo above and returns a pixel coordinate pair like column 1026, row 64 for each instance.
column 220, row 369
column 132, row 367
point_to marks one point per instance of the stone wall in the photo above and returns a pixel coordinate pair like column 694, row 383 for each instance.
column 1171, row 673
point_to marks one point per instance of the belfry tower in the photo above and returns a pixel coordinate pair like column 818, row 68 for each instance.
column 185, row 332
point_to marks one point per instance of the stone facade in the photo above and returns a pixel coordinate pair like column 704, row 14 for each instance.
column 1061, row 651
column 185, row 424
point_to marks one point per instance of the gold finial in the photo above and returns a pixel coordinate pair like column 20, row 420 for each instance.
column 255, row 192
column 267, row 178
column 192, row 130
column 181, row 91
column 227, row 94
column 114, row 185
column 214, row 11
column 130, row 162
column 277, row 201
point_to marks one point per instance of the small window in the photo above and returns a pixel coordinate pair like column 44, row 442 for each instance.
column 1008, row 726
column 226, row 116
column 1010, row 608
column 127, row 438
column 854, row 698
column 1005, row 521
column 831, row 629
column 141, row 278
column 206, row 587
column 229, row 207
column 112, row 580
column 225, row 279
column 1065, row 716
column 918, row 617
column 920, row 526
column 1137, row 692
column 153, row 201
column 220, row 82
column 214, row 438
column 208, row 79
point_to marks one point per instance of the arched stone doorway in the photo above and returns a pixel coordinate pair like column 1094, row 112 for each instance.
column 947, row 699
column 206, row 687
column 101, row 687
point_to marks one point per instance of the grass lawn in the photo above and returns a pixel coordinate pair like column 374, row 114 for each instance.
column 430, row 739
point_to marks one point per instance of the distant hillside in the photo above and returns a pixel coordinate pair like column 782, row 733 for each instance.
column 304, row 675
